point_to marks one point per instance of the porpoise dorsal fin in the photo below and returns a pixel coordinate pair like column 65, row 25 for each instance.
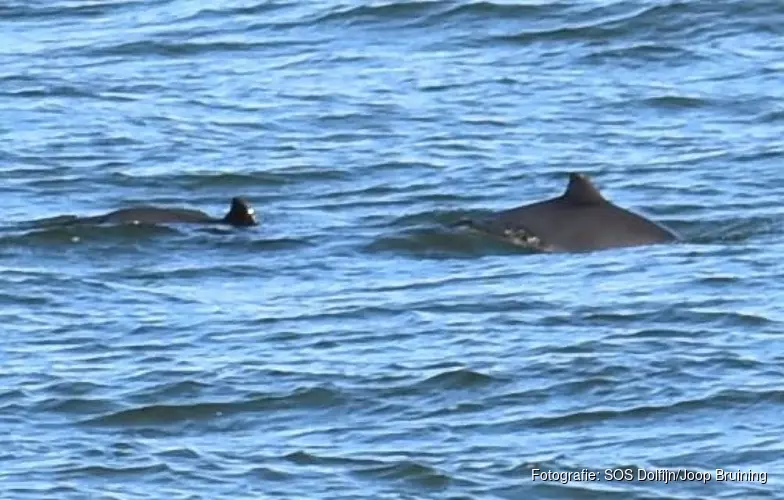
column 581, row 191
column 240, row 213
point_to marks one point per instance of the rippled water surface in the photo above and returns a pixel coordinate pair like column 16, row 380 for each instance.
column 355, row 345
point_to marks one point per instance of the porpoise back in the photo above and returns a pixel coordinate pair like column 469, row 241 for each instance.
column 155, row 215
column 581, row 219
column 240, row 214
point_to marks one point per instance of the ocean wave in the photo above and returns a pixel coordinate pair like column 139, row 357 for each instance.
column 38, row 490
column 454, row 379
column 58, row 9
column 302, row 457
column 640, row 53
column 76, row 406
column 251, row 10
column 422, row 475
column 167, row 414
column 415, row 11
column 267, row 178
column 723, row 400
column 175, row 48
column 144, row 471
column 659, row 23
column 37, row 90
column 677, row 102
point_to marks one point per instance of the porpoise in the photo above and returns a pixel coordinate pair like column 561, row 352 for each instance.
column 579, row 220
column 240, row 214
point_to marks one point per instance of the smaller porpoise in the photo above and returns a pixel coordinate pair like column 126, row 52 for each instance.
column 579, row 220
column 240, row 214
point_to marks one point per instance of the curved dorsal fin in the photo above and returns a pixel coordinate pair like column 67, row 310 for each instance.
column 581, row 191
column 241, row 213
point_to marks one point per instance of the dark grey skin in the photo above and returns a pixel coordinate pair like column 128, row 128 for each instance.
column 579, row 220
column 240, row 214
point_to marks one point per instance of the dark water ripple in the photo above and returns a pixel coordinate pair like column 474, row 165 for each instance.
column 355, row 345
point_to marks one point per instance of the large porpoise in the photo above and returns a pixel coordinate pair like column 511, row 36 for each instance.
column 579, row 220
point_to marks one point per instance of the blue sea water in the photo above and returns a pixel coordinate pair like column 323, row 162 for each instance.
column 354, row 345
